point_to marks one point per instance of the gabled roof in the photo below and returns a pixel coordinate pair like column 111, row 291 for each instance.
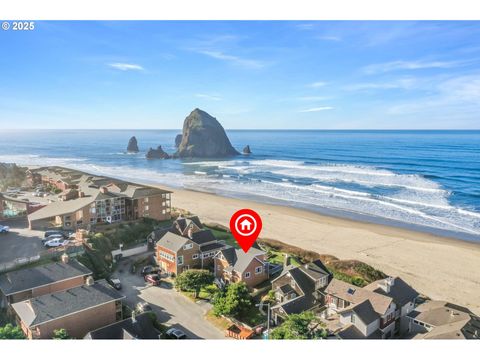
column 356, row 295
column 139, row 328
column 400, row 292
column 184, row 223
column 363, row 310
column 30, row 278
column 351, row 332
column 172, row 241
column 449, row 321
column 49, row 307
column 61, row 208
column 239, row 260
column 203, row 237
column 212, row 247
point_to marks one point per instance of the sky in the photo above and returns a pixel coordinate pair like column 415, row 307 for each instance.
column 249, row 74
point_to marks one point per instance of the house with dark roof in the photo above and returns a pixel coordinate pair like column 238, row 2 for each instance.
column 138, row 327
column 185, row 245
column 31, row 282
column 377, row 310
column 443, row 320
column 77, row 310
column 233, row 265
column 299, row 289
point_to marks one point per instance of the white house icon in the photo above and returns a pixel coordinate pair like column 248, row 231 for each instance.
column 246, row 225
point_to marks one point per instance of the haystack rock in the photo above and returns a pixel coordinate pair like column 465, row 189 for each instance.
column 246, row 150
column 132, row 145
column 204, row 137
column 157, row 153
column 178, row 140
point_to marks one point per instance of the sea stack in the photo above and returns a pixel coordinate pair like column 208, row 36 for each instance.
column 204, row 137
column 246, row 150
column 178, row 140
column 157, row 153
column 132, row 145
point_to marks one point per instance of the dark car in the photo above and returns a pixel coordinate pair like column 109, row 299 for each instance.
column 54, row 232
column 149, row 270
column 174, row 333
column 153, row 279
column 115, row 283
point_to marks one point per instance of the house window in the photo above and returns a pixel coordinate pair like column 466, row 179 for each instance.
column 352, row 318
column 187, row 246
column 258, row 270
column 146, row 207
column 195, row 256
column 146, row 200
column 167, row 256
column 247, row 275
column 180, row 260
column 206, row 255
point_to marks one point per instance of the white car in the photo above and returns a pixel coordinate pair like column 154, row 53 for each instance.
column 4, row 229
column 52, row 237
column 56, row 243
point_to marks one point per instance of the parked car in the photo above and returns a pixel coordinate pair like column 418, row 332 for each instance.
column 56, row 243
column 149, row 270
column 115, row 283
column 174, row 333
column 143, row 307
column 53, row 237
column 153, row 279
column 53, row 232
column 4, row 229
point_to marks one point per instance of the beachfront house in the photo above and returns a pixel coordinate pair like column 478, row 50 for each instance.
column 185, row 245
column 298, row 289
column 234, row 265
column 376, row 311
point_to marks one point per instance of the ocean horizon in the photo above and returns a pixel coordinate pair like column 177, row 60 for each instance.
column 427, row 180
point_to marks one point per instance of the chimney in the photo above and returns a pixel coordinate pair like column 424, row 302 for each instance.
column 134, row 320
column 286, row 262
column 190, row 232
column 90, row 281
column 65, row 258
column 104, row 190
column 81, row 194
column 387, row 284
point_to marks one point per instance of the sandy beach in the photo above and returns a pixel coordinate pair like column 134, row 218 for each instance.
column 441, row 268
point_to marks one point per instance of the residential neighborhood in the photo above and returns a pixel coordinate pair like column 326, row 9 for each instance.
column 130, row 266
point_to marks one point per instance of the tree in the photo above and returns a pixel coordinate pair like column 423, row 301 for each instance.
column 60, row 334
column 236, row 301
column 11, row 332
column 300, row 326
column 193, row 280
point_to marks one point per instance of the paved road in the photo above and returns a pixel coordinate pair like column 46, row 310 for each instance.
column 20, row 242
column 171, row 307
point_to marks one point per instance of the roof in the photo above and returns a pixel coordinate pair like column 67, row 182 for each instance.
column 352, row 333
column 315, row 269
column 286, row 289
column 400, row 292
column 306, row 300
column 49, row 307
column 183, row 223
column 239, row 260
column 61, row 208
column 141, row 327
column 354, row 295
column 172, row 241
column 26, row 279
column 210, row 247
column 363, row 310
column 449, row 321
column 203, row 237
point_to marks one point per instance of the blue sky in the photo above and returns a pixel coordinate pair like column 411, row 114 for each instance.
column 303, row 75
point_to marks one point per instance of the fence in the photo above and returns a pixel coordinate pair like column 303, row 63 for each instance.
column 50, row 254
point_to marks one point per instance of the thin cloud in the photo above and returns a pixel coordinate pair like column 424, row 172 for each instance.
column 126, row 67
column 330, row 38
column 316, row 109
column 411, row 65
column 405, row 83
column 317, row 84
column 208, row 97
column 312, row 98
column 236, row 60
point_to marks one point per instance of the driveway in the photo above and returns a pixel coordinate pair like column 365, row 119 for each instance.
column 172, row 308
column 20, row 242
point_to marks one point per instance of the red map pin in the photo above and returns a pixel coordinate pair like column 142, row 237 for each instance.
column 245, row 226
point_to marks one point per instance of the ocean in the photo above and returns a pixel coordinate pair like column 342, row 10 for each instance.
column 422, row 180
